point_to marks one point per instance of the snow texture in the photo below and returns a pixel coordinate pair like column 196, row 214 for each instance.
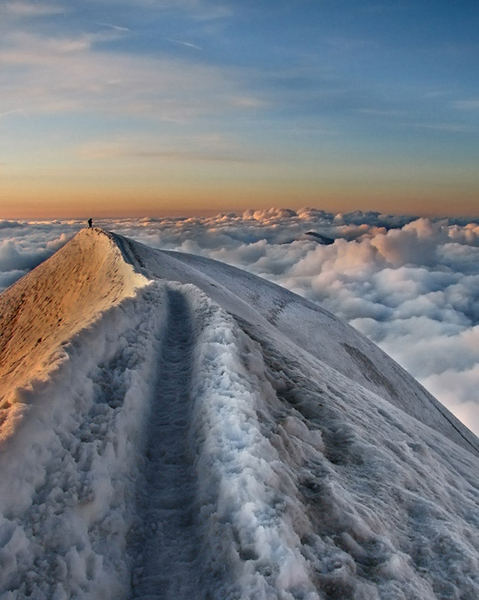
column 191, row 431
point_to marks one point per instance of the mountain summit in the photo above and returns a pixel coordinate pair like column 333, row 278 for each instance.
column 174, row 427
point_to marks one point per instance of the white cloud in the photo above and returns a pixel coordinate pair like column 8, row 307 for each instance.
column 207, row 10
column 24, row 9
column 25, row 245
column 187, row 44
column 458, row 390
column 198, row 150
column 115, row 27
column 470, row 104
column 78, row 74
column 15, row 111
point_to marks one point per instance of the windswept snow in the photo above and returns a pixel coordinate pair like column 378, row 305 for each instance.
column 212, row 436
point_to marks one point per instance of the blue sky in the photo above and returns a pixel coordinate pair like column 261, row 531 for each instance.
column 192, row 103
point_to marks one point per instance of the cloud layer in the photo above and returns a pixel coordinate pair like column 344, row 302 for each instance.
column 411, row 285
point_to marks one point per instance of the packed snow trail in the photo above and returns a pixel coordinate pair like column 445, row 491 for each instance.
column 166, row 566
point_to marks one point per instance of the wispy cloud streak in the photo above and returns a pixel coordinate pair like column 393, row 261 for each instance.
column 24, row 9
column 187, row 44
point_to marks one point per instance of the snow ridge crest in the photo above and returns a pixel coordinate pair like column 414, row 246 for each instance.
column 52, row 303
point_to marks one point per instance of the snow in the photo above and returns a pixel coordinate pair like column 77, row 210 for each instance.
column 47, row 307
column 69, row 467
column 191, row 431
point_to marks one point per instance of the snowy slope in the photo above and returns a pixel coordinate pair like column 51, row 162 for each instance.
column 80, row 281
column 212, row 436
column 269, row 309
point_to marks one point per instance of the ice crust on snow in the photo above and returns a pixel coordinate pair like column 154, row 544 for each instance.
column 212, row 436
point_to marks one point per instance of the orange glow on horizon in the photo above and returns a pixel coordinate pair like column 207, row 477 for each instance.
column 78, row 204
column 70, row 195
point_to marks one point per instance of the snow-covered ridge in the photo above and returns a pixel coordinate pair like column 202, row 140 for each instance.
column 266, row 307
column 213, row 436
column 63, row 295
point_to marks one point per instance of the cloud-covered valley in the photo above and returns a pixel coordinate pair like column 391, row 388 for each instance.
column 411, row 285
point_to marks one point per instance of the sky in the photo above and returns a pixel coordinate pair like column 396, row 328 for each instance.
column 410, row 285
column 156, row 107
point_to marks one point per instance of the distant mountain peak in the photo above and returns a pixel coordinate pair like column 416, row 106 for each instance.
column 322, row 239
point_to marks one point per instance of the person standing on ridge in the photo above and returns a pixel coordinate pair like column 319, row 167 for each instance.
column 90, row 223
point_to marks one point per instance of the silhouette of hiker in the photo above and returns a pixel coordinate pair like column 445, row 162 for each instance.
column 90, row 223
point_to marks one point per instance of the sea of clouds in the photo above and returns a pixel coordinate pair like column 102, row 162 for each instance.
column 410, row 284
